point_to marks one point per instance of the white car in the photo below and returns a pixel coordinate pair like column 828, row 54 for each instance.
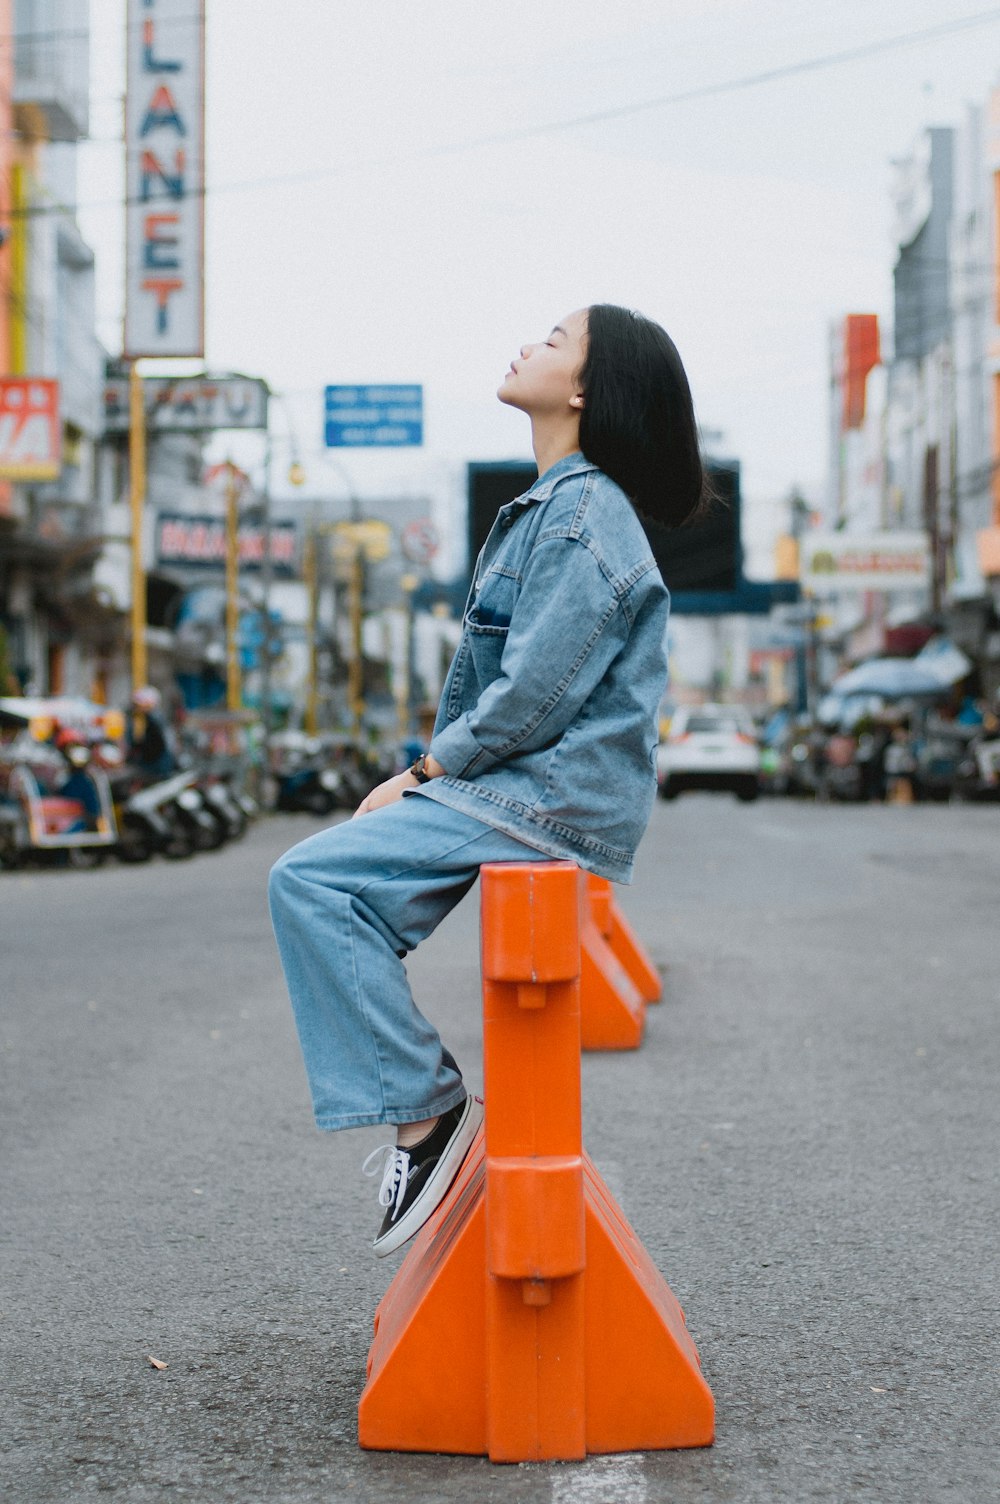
column 710, row 747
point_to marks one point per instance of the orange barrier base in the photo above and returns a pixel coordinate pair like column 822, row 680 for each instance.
column 446, row 1331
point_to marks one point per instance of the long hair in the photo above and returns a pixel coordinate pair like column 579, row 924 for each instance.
column 638, row 423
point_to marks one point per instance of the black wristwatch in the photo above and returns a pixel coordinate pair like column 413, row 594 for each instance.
column 419, row 769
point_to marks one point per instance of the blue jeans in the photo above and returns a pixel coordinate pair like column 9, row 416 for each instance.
column 347, row 905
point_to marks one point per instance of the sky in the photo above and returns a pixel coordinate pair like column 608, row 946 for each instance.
column 394, row 196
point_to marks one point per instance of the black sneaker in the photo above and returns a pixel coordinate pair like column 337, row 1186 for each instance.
column 414, row 1180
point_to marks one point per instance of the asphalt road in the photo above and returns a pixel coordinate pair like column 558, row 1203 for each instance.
column 807, row 1143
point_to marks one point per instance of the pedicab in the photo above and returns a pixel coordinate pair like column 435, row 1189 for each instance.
column 54, row 795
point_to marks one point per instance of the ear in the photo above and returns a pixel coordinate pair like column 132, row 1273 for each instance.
column 576, row 401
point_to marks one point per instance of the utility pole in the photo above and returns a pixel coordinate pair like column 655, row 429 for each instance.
column 356, row 544
column 404, row 697
column 356, row 671
column 233, row 685
column 310, row 575
column 265, row 590
column 137, row 501
column 805, row 651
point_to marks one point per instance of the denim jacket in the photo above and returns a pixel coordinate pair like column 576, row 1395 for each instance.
column 547, row 726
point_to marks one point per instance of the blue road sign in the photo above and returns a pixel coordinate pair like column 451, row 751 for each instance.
column 373, row 416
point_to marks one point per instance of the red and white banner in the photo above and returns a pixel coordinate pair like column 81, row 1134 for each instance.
column 30, row 431
column 199, row 542
column 165, row 178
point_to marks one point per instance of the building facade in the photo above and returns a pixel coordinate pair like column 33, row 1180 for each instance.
column 914, row 447
column 52, row 620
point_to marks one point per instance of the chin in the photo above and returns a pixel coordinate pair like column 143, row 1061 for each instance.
column 506, row 395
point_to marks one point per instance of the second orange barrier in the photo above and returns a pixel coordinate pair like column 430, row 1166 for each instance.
column 623, row 940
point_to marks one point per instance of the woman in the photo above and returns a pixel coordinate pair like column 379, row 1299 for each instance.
column 544, row 743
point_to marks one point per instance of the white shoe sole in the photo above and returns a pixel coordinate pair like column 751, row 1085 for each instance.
column 438, row 1185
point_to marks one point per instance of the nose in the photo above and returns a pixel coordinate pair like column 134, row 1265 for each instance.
column 525, row 351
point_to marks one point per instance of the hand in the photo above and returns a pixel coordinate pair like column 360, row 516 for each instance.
column 386, row 793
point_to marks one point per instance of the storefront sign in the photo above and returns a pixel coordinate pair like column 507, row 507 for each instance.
column 195, row 542
column 165, row 178
column 189, row 404
column 371, row 538
column 836, row 562
column 30, row 436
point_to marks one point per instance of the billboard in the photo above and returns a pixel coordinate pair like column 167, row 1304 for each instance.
column 189, row 404
column 704, row 557
column 165, row 178
column 30, row 431
column 861, row 354
column 836, row 562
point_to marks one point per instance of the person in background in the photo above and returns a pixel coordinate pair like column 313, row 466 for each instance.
column 874, row 733
column 146, row 740
column 78, row 784
column 900, row 763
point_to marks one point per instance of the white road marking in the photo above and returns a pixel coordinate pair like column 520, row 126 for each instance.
column 604, row 1480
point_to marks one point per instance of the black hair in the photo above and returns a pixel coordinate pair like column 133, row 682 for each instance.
column 638, row 423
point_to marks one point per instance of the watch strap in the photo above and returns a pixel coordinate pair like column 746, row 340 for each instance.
column 419, row 769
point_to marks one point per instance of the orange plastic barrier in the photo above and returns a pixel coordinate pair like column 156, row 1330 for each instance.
column 612, row 1007
column 623, row 940
column 527, row 1321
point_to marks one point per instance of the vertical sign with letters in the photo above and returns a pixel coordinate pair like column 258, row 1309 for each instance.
column 165, row 178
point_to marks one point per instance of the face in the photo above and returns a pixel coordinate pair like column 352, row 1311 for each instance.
column 544, row 379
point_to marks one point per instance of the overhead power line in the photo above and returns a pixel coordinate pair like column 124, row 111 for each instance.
column 567, row 123
column 766, row 75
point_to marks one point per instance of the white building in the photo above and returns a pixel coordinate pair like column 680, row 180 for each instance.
column 53, row 623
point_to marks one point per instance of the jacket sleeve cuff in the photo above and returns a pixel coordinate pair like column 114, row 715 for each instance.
column 458, row 752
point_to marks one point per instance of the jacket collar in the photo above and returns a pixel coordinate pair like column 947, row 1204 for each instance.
column 570, row 464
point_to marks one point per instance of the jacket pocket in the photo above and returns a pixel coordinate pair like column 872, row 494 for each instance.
column 493, row 603
column 486, row 641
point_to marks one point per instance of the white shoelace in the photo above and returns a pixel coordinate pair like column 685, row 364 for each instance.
column 395, row 1170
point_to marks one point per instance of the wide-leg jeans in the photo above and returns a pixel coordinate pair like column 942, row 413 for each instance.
column 347, row 905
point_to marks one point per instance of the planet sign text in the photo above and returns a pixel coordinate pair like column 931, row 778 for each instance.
column 165, row 178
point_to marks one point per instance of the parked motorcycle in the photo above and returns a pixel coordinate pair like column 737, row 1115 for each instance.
column 224, row 807
column 150, row 817
column 206, row 829
column 302, row 775
column 312, row 788
column 939, row 755
column 978, row 776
